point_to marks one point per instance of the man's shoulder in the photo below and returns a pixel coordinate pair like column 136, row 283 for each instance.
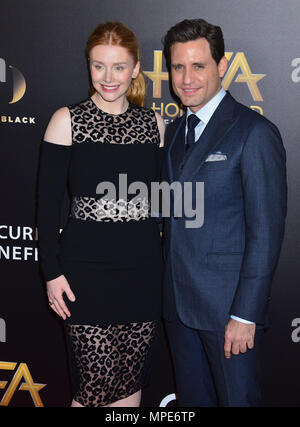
column 248, row 113
column 252, row 118
column 257, row 126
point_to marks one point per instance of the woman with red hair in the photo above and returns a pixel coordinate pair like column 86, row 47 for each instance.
column 108, row 258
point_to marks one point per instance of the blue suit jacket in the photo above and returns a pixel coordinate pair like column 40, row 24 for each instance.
column 226, row 266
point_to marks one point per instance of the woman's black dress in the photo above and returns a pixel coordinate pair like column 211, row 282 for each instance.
column 109, row 250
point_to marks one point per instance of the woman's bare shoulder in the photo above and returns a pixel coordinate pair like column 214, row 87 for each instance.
column 59, row 128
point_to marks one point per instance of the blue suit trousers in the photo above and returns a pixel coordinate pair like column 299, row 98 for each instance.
column 204, row 377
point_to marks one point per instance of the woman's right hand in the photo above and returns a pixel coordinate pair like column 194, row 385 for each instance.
column 55, row 290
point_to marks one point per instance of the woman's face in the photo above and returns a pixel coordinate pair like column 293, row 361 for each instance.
column 112, row 69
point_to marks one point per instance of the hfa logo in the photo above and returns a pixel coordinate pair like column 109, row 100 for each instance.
column 239, row 62
column 19, row 84
column 27, row 385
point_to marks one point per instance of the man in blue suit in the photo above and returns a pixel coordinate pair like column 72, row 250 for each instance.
column 218, row 276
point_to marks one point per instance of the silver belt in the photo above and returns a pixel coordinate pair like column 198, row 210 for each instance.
column 95, row 209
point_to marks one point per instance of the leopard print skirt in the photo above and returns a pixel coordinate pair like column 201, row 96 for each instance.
column 110, row 360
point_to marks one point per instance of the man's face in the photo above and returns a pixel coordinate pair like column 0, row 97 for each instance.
column 196, row 77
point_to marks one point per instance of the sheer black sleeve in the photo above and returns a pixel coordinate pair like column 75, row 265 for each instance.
column 52, row 184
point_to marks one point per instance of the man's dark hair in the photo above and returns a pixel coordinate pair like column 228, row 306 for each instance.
column 193, row 29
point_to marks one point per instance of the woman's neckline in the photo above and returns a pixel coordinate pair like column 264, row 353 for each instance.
column 110, row 114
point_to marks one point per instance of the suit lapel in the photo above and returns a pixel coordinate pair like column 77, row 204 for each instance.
column 219, row 124
column 179, row 132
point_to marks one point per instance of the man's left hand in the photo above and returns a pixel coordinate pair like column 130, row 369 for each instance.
column 238, row 337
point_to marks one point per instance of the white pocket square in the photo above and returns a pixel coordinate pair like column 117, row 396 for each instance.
column 216, row 157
